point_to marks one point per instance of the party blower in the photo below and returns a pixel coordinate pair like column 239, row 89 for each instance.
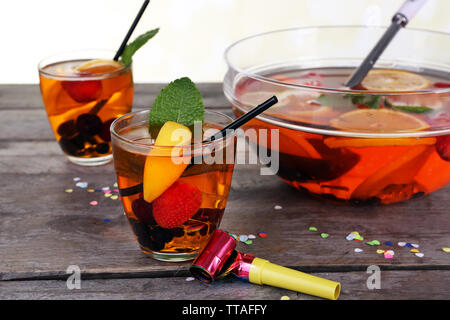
column 220, row 258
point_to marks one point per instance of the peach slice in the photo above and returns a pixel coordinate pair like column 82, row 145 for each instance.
column 165, row 165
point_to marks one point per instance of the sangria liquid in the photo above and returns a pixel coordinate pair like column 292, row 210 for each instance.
column 184, row 241
column 82, row 98
column 360, row 168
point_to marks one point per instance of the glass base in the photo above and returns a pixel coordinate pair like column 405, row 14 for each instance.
column 97, row 161
column 171, row 257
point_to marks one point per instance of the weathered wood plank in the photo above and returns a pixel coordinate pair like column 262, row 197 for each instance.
column 43, row 229
column 17, row 96
column 400, row 285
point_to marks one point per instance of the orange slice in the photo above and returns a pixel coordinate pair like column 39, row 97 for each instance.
column 400, row 171
column 378, row 120
column 375, row 142
column 300, row 106
column 394, row 80
column 161, row 169
column 99, row 66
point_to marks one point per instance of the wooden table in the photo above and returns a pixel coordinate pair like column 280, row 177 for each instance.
column 44, row 230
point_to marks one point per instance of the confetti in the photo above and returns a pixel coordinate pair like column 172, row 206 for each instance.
column 415, row 245
column 93, row 203
column 373, row 243
column 312, row 229
column 248, row 242
column 115, row 185
column 107, row 191
column 81, row 184
column 114, row 197
column 391, row 252
column 419, row 254
column 262, row 234
column 388, row 243
column 354, row 235
column 414, row 250
column 107, row 195
column 379, row 251
column 409, row 245
column 105, row 188
column 106, row 220
column 190, row 279
column 69, row 190
column 285, row 298
column 446, row 249
column 233, row 235
column 116, row 190
column 90, row 190
column 324, row 235
column 401, row 244
column 243, row 238
column 76, row 179
column 358, row 250
column 388, row 255
column 251, row 236
column 277, row 207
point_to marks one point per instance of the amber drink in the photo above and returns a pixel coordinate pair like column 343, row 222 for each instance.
column 83, row 93
column 159, row 226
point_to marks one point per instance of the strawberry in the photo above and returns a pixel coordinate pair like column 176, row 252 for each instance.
column 443, row 147
column 83, row 91
column 176, row 205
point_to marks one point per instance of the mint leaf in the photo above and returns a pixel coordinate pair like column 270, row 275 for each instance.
column 372, row 101
column 134, row 46
column 180, row 101
column 337, row 101
column 412, row 109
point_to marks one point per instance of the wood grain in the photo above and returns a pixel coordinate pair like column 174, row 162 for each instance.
column 43, row 229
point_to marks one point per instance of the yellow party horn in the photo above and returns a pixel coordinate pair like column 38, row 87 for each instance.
column 219, row 258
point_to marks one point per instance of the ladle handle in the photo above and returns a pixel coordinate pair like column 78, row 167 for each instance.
column 409, row 9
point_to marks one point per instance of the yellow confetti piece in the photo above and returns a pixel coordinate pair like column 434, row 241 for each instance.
column 114, row 197
column 414, row 250
column 379, row 251
column 285, row 298
column 446, row 249
column 107, row 195
column 90, row 190
column 69, row 190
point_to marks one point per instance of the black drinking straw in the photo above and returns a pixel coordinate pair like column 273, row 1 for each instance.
column 126, row 192
column 243, row 119
column 130, row 31
column 119, row 52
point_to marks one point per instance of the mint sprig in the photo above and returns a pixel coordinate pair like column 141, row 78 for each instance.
column 371, row 101
column 134, row 46
column 180, row 101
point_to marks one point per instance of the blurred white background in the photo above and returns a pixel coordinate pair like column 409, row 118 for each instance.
column 193, row 34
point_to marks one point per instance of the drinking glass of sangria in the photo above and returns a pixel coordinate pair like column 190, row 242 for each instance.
column 174, row 186
column 83, row 93
column 384, row 141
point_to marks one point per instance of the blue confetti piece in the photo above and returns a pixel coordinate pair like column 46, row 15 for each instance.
column 409, row 245
column 98, row 190
column 388, row 243
column 106, row 220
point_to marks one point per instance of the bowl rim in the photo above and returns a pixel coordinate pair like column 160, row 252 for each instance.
column 325, row 89
column 430, row 132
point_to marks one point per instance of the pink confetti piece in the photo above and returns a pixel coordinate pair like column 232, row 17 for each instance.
column 116, row 190
column 93, row 203
column 388, row 255
column 107, row 191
